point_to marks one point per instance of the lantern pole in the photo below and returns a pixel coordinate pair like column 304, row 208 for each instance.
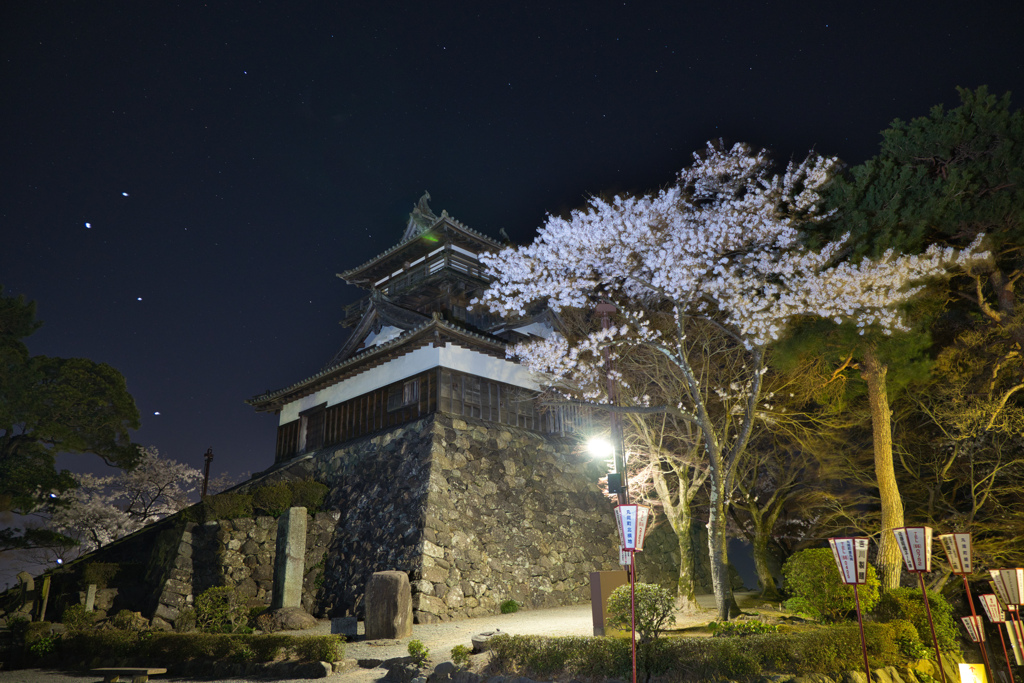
column 990, row 603
column 632, row 601
column 959, row 552
column 915, row 544
column 851, row 556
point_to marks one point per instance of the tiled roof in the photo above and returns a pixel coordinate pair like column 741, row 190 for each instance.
column 444, row 217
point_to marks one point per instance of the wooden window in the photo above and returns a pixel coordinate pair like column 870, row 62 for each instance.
column 403, row 394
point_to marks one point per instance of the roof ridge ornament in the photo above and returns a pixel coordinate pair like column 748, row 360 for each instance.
column 420, row 219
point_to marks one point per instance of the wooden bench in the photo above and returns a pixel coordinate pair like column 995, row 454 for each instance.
column 139, row 674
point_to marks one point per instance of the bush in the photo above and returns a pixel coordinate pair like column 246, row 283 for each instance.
column 460, row 656
column 221, row 506
column 741, row 628
column 813, row 575
column 655, row 609
column 273, row 499
column 908, row 604
column 829, row 650
column 320, row 648
column 218, row 610
column 419, row 653
column 308, row 494
column 509, row 607
column 77, row 619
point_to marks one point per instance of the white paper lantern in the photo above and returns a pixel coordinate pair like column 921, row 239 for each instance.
column 625, row 557
column 632, row 522
column 975, row 628
column 915, row 543
column 851, row 556
column 990, row 603
column 958, row 551
column 1009, row 585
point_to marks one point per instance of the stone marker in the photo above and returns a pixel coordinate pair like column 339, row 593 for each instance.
column 388, row 606
column 90, row 597
column 289, row 562
column 344, row 626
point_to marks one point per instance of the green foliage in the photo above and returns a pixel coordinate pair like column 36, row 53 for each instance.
column 99, row 573
column 907, row 604
column 460, row 656
column 741, row 628
column 220, row 610
column 321, row 648
column 419, row 653
column 76, row 618
column 308, row 494
column 509, row 606
column 272, row 500
column 49, row 406
column 813, row 575
column 655, row 609
column 830, row 650
column 158, row 649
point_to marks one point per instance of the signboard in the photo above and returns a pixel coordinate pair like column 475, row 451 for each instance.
column 1011, row 581
column 990, row 603
column 851, row 555
column 915, row 544
column 625, row 557
column 958, row 551
column 972, row 673
column 632, row 523
column 975, row 628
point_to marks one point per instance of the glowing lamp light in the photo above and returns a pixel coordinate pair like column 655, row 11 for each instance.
column 632, row 523
column 915, row 543
column 958, row 552
column 974, row 629
column 851, row 556
column 601, row 448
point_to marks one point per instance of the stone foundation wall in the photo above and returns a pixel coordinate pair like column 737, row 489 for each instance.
column 510, row 514
column 238, row 553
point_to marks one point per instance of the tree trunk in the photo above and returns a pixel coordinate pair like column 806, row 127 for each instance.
column 890, row 562
column 762, row 562
column 686, row 597
column 725, row 603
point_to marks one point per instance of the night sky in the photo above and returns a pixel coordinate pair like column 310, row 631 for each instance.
column 181, row 182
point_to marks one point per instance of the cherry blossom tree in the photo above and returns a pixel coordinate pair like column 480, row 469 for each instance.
column 103, row 509
column 721, row 245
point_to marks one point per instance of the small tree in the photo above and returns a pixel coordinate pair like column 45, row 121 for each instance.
column 654, row 610
column 812, row 576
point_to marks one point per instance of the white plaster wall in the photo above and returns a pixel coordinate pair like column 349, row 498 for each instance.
column 425, row 358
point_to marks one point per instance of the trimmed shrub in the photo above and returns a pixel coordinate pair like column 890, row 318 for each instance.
column 830, row 650
column 741, row 628
column 908, row 604
column 509, row 606
column 655, row 609
column 320, row 648
column 273, row 499
column 813, row 575
column 308, row 494
column 221, row 506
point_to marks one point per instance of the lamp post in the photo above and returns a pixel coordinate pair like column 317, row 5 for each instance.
column 915, row 543
column 958, row 552
column 605, row 309
column 632, row 524
column 208, row 455
column 851, row 555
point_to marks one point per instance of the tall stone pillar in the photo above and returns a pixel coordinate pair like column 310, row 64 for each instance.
column 289, row 562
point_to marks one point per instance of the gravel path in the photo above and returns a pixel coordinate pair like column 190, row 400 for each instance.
column 439, row 639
